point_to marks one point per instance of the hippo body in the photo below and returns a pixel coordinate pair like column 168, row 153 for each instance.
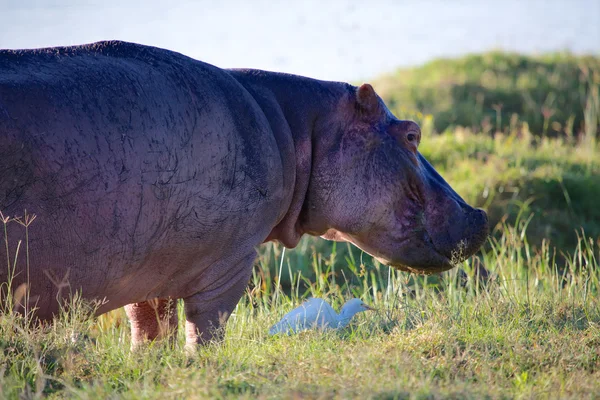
column 154, row 176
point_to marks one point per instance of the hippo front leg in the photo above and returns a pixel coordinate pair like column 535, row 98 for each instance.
column 207, row 311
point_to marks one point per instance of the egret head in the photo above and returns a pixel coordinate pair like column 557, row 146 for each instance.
column 354, row 306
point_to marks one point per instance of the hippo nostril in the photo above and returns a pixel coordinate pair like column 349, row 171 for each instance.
column 478, row 227
column 475, row 215
column 479, row 216
column 483, row 214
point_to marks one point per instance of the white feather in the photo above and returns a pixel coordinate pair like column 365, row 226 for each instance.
column 315, row 313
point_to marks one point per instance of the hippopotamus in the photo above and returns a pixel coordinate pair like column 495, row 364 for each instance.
column 153, row 177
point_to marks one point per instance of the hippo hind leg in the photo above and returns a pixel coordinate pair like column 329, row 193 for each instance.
column 152, row 319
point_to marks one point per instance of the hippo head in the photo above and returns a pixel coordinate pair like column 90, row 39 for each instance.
column 370, row 186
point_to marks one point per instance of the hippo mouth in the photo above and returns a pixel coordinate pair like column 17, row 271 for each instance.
column 432, row 241
column 415, row 253
column 418, row 254
column 419, row 246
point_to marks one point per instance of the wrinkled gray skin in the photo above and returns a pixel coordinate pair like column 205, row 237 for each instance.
column 154, row 176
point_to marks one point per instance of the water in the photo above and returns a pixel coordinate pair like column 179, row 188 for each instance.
column 336, row 39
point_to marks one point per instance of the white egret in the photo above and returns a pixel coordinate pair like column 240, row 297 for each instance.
column 316, row 313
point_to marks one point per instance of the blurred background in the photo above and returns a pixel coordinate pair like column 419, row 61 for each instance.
column 326, row 39
column 507, row 93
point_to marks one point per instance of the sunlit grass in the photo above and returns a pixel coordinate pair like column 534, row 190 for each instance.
column 531, row 328
column 555, row 94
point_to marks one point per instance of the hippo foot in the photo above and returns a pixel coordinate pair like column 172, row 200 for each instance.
column 151, row 320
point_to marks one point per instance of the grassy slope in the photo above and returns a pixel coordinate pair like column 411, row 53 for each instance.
column 487, row 91
column 529, row 332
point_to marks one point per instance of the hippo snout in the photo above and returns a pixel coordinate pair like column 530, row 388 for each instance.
column 462, row 234
column 477, row 230
column 478, row 217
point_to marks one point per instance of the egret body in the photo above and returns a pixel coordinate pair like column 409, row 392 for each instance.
column 316, row 313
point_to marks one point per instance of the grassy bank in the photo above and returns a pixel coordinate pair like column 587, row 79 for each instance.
column 528, row 331
column 554, row 94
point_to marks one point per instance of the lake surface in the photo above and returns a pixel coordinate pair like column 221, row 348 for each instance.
column 336, row 39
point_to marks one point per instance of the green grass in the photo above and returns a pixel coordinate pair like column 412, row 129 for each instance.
column 486, row 92
column 531, row 330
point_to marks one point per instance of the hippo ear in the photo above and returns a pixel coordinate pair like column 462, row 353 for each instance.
column 366, row 97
